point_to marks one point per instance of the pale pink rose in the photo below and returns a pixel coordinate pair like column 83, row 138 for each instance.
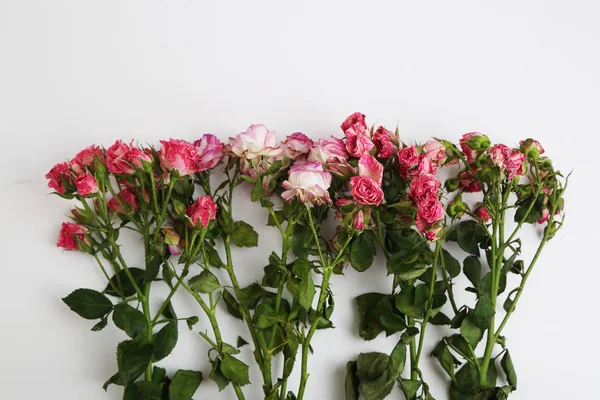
column 296, row 145
column 354, row 119
column 386, row 142
column 211, row 151
column 498, row 155
column 328, row 151
column 545, row 216
column 424, row 187
column 255, row 142
column 430, row 210
column 86, row 184
column 309, row 183
column 201, row 212
column 515, row 164
column 359, row 221
column 366, row 191
column 69, row 233
column 436, row 152
column 483, row 214
column 471, row 142
column 85, row 158
column 369, row 166
column 59, row 173
column 180, row 156
column 408, row 159
column 425, row 167
column 358, row 141
column 468, row 184
column 128, row 198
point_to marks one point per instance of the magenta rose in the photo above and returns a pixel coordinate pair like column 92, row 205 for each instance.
column 333, row 154
column 370, row 167
column 57, row 174
column 296, row 145
column 483, row 214
column 358, row 141
column 85, row 158
column 423, row 187
column 255, row 142
column 430, row 210
column 515, row 164
column 86, row 184
column 122, row 158
column 201, row 212
column 386, row 142
column 366, row 191
column 128, row 198
column 180, row 156
column 354, row 119
column 309, row 183
column 468, row 184
column 408, row 159
column 69, row 233
column 471, row 143
column 359, row 221
column 211, row 151
column 436, row 152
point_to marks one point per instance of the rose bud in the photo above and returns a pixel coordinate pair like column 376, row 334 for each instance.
column 359, row 221
column 386, row 142
column 423, row 187
column 86, row 185
column 296, row 145
column 532, row 148
column 57, row 176
column 468, row 184
column 201, row 212
column 366, row 191
column 129, row 199
column 309, row 183
column 172, row 239
column 179, row 156
column 408, row 159
column 85, row 158
column 434, row 233
column 354, row 119
column 451, row 184
column 255, row 142
column 471, row 142
column 69, row 235
column 483, row 214
column 358, row 141
column 436, row 152
column 211, row 151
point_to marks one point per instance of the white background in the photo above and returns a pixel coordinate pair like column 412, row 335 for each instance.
column 78, row 72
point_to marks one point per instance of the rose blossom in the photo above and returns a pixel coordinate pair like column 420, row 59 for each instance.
column 545, row 216
column 309, row 183
column 434, row 233
column 430, row 210
column 56, row 175
column 498, row 155
column 436, row 152
column 386, row 142
column 328, row 151
column 296, row 145
column 354, row 119
column 85, row 158
column 408, row 158
column 471, row 142
column 201, row 212
column 179, row 155
column 210, row 150
column 483, row 214
column 255, row 142
column 515, row 164
column 86, row 184
column 531, row 148
column 126, row 197
column 358, row 141
column 369, row 166
column 69, row 234
column 424, row 187
column 359, row 221
column 468, row 184
column 123, row 158
column 366, row 191
column 425, row 166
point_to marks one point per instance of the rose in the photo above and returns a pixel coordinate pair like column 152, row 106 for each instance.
column 179, row 156
column 468, row 184
column 172, row 239
column 358, row 141
column 515, row 164
column 211, row 151
column 370, row 167
column 201, row 212
column 423, row 187
column 255, row 142
column 498, row 155
column 366, row 191
column 86, row 184
column 354, row 119
column 296, row 145
column 85, row 158
column 359, row 221
column 483, row 214
column 436, row 152
column 59, row 173
column 128, row 198
column 545, row 216
column 69, row 234
column 430, row 210
column 471, row 142
column 425, row 166
column 532, row 148
column 434, row 233
column 309, row 183
column 123, row 158
column 328, row 151
column 408, row 158
column 386, row 142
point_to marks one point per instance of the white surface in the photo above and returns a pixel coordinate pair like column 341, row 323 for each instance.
column 78, row 72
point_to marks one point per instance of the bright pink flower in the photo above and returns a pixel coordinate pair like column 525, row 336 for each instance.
column 69, row 233
column 386, row 142
column 468, row 184
column 122, row 158
column 408, row 158
column 86, row 184
column 515, row 164
column 180, row 156
column 470, row 143
column 358, row 141
column 85, row 158
column 354, row 119
column 545, row 216
column 425, row 166
column 211, row 151
column 369, row 166
column 498, row 155
column 359, row 221
column 436, row 152
column 434, row 233
column 296, row 145
column 343, row 202
column 430, row 210
column 255, row 142
column 366, row 191
column 483, row 214
column 128, row 198
column 309, row 183
column 424, row 187
column 57, row 174
column 201, row 212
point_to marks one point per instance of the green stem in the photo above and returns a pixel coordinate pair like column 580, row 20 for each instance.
column 112, row 285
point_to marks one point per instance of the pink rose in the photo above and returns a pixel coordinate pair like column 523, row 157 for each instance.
column 126, row 197
column 358, row 141
column 386, row 142
column 545, row 216
column 123, row 158
column 531, row 148
column 201, row 212
column 498, row 155
column 436, row 152
column 359, row 221
column 425, row 167
column 255, row 142
column 172, row 240
column 180, row 156
column 430, row 210
column 370, row 167
column 515, row 164
column 423, row 187
column 69, row 233
column 328, row 151
column 57, row 174
column 468, row 184
column 309, row 183
column 482, row 214
column 85, row 158
column 354, row 119
column 434, row 233
column 408, row 158
column 211, row 151
column 366, row 191
column 471, row 142
column 296, row 145
column 86, row 184
column 343, row 202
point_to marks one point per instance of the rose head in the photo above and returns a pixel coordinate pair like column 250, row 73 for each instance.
column 468, row 184
column 180, row 156
column 434, row 233
column 436, row 152
column 201, row 212
column 85, row 158
column 309, row 183
column 354, row 119
column 498, row 155
column 366, row 191
column 408, row 159
column 57, row 174
column 430, row 211
column 129, row 199
column 424, row 187
column 69, row 233
column 86, row 185
column 255, row 142
column 515, row 164
column 296, row 145
column 211, row 151
column 471, row 143
column 386, row 142
column 369, row 166
column 328, row 151
column 358, row 141
column 532, row 148
column 482, row 214
column 359, row 221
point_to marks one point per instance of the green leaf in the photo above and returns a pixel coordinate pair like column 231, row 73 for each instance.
column 244, row 235
column 251, row 294
column 214, row 259
column 266, row 316
column 468, row 235
column 470, row 331
column 165, row 340
column 396, row 361
column 306, row 288
column 88, row 303
column 100, row 325
column 235, row 370
column 370, row 366
column 133, row 356
column 392, row 322
column 241, row 342
column 301, row 241
column 158, row 374
column 483, row 313
column 404, row 270
column 371, row 307
column 409, row 334
column 129, row 319
column 451, row 263
column 445, row 357
column 143, row 391
column 362, row 252
column 205, row 282
column 352, row 383
column 217, row 376
column 405, row 303
column 410, row 388
column 466, row 380
column 472, row 270
column 279, row 218
column 509, row 370
column 226, row 348
column 152, row 269
column 233, row 307
column 184, row 384
column 378, row 389
column 191, row 321
column 128, row 289
column 535, row 213
column 440, row 319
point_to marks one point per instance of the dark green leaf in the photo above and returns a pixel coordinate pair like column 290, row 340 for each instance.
column 184, row 384
column 235, row 370
column 169, row 311
column 536, row 211
column 279, row 218
column 483, row 313
column 396, row 361
column 472, row 269
column 214, row 259
column 233, row 307
column 446, row 359
column 392, row 322
column 133, row 356
column 128, row 289
column 143, row 391
column 88, row 303
column 241, row 342
column 405, row 303
column 470, row 331
column 152, row 269
column 251, row 294
column 100, row 325
column 191, row 321
column 226, row 348
column 165, row 340
column 469, row 235
column 301, row 241
column 244, row 235
column 352, row 383
column 362, row 252
column 467, row 379
column 409, row 334
column 405, row 270
column 266, row 316
column 440, row 319
column 217, row 376
column 378, row 389
column 205, row 282
column 409, row 388
column 306, row 287
column 129, row 319
column 509, row 370
column 451, row 263
column 158, row 374
column 370, row 366
column 371, row 307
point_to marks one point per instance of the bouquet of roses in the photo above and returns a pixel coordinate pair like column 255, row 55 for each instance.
column 384, row 194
